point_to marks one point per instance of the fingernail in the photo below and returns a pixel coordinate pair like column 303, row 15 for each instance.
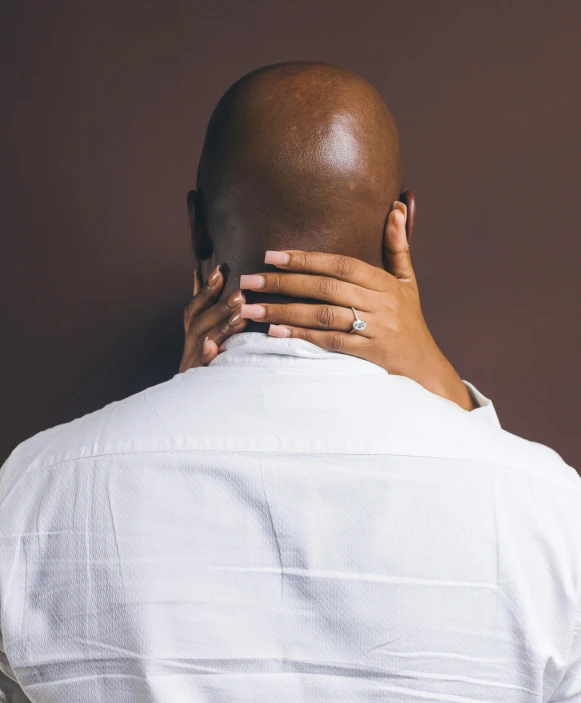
column 254, row 312
column 252, row 281
column 235, row 319
column 279, row 331
column 206, row 347
column 236, row 299
column 278, row 258
column 215, row 276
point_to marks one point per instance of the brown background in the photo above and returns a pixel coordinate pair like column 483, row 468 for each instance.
column 105, row 107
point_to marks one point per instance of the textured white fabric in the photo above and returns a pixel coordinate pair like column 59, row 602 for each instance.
column 289, row 525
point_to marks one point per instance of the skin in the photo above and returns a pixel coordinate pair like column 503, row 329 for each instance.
column 304, row 158
column 299, row 156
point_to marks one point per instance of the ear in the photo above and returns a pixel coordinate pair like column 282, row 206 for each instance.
column 409, row 200
column 199, row 234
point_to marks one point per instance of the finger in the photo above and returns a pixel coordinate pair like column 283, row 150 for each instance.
column 323, row 317
column 344, row 268
column 216, row 314
column 206, row 295
column 395, row 245
column 233, row 325
column 299, row 285
column 209, row 351
column 352, row 344
column 197, row 282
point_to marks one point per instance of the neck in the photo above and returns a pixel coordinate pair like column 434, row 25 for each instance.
column 254, row 297
column 254, row 326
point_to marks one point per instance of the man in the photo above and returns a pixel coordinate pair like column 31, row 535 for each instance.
column 280, row 522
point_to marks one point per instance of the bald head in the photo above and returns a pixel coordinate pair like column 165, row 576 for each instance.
column 298, row 155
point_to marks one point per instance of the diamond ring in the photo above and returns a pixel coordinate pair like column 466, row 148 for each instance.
column 358, row 323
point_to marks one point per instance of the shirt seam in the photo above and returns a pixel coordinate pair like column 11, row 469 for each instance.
column 315, row 364
column 275, row 453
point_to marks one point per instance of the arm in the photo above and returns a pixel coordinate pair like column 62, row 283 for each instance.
column 395, row 335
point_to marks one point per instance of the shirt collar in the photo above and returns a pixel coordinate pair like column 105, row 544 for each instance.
column 260, row 349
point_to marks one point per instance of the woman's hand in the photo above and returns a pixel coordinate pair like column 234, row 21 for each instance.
column 208, row 324
column 396, row 336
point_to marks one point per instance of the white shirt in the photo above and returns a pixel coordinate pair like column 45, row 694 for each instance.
column 289, row 525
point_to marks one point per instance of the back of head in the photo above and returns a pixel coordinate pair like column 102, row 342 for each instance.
column 298, row 155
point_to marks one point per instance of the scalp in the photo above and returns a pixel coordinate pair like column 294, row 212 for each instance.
column 300, row 153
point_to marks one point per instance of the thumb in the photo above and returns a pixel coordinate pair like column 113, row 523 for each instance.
column 395, row 245
column 209, row 351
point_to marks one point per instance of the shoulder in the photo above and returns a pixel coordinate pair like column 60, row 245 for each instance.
column 437, row 427
column 541, row 461
column 535, row 463
column 88, row 435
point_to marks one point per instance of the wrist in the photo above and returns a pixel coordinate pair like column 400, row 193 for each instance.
column 461, row 395
column 443, row 380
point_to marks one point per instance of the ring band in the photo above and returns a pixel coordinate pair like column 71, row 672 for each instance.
column 358, row 323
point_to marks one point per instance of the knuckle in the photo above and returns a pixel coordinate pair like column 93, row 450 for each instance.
column 343, row 266
column 392, row 304
column 302, row 260
column 193, row 328
column 393, row 311
column 336, row 342
column 327, row 287
column 392, row 322
column 276, row 281
column 324, row 316
column 394, row 327
column 223, row 307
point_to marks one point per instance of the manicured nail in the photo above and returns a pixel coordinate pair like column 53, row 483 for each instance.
column 253, row 312
column 215, row 276
column 279, row 331
column 252, row 281
column 206, row 347
column 235, row 319
column 236, row 299
column 278, row 258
